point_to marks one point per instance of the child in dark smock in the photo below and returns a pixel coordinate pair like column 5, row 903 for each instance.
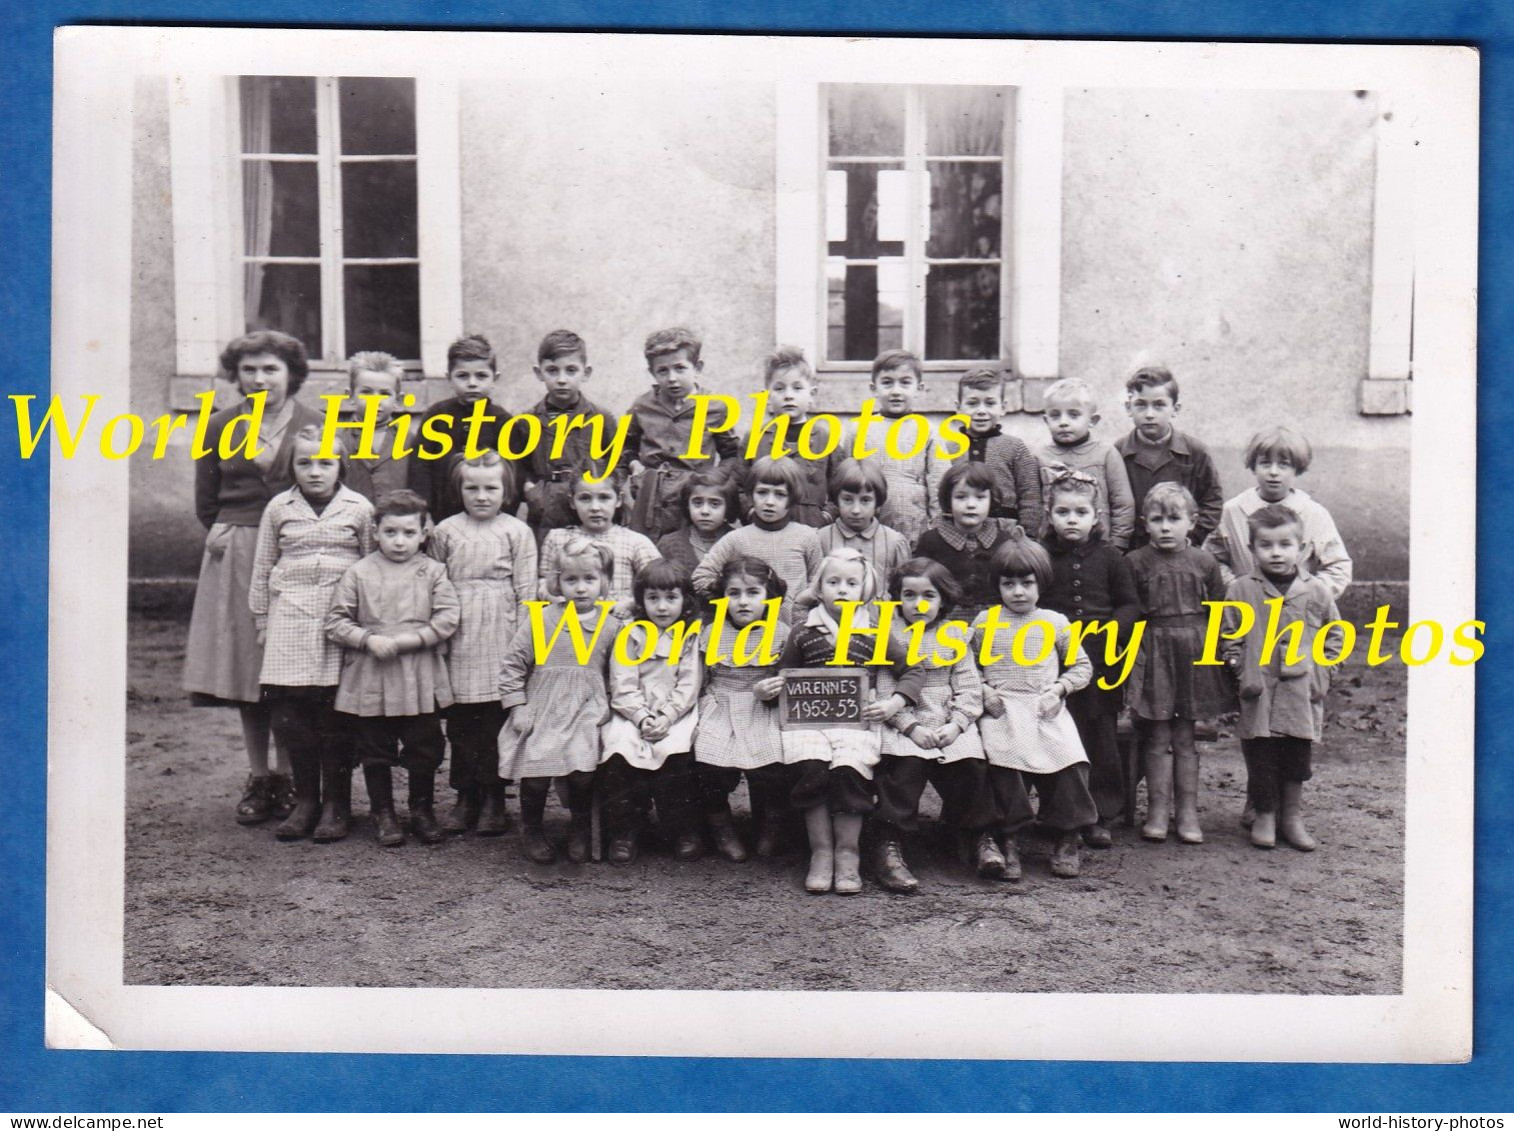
column 738, row 720
column 1167, row 690
column 834, row 783
column 966, row 535
column 709, row 500
column 558, row 702
column 391, row 611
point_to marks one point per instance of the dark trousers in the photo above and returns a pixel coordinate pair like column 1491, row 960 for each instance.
column 768, row 786
column 1269, row 763
column 1063, row 800
column 412, row 741
column 966, row 802
column 307, row 727
column 473, row 736
column 629, row 792
column 840, row 789
column 1096, row 714
column 1011, row 803
column 533, row 797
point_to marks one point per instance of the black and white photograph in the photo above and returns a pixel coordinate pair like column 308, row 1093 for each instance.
column 1052, row 334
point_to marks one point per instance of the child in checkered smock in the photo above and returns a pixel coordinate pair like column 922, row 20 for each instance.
column 595, row 505
column 307, row 538
column 491, row 561
column 1028, row 734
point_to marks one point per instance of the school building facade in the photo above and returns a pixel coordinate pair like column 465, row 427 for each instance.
column 1258, row 243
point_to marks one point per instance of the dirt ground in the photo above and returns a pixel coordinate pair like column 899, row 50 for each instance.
column 210, row 902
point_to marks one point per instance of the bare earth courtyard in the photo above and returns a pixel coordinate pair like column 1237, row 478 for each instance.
column 209, row 902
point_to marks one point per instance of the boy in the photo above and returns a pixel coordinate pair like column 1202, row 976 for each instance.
column 661, row 426
column 897, row 380
column 473, row 374
column 1282, row 704
column 858, row 489
column 1070, row 413
column 1156, row 452
column 562, row 366
column 790, row 385
column 373, row 373
column 980, row 397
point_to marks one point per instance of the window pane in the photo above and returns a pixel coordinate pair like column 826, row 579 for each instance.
column 384, row 310
column 280, row 208
column 866, row 121
column 864, row 309
column 287, row 297
column 278, row 114
column 865, row 210
column 378, row 115
column 966, row 217
column 962, row 313
column 378, row 210
column 964, row 121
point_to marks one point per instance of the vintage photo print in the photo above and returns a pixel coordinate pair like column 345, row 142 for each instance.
column 1063, row 332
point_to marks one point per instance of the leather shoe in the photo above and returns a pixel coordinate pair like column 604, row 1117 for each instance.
column 988, row 858
column 282, row 799
column 690, row 845
column 256, row 805
column 535, row 846
column 892, row 872
column 1097, row 835
column 390, row 835
column 578, row 842
column 1011, row 859
column 727, row 843
column 1065, row 859
column 623, row 849
column 423, row 823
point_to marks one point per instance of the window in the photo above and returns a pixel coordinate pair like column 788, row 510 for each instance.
column 328, row 209
column 915, row 183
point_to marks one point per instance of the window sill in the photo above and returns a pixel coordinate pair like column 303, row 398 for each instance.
column 1385, row 396
column 842, row 391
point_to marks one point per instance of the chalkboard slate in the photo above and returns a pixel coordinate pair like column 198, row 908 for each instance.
column 823, row 698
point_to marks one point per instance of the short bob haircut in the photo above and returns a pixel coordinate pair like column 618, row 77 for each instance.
column 755, row 568
column 1280, row 442
column 846, row 556
column 1273, row 516
column 897, row 359
column 974, row 475
column 663, row 573
column 1071, row 389
column 1018, row 556
column 374, row 361
column 660, row 343
column 1152, row 377
column 984, row 379
column 779, row 472
column 934, row 572
column 857, row 476
column 289, row 350
column 1169, row 498
column 716, row 483
column 783, row 359
column 399, row 504
column 507, row 476
column 311, row 434
column 581, row 546
column 471, row 347
column 561, row 343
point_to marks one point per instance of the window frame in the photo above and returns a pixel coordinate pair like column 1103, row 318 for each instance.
column 205, row 154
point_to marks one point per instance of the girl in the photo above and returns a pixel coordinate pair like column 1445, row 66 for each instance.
column 1028, row 734
column 393, row 610
column 595, row 504
column 1168, row 692
column 791, row 547
column 1090, row 581
column 966, row 535
column 649, row 740
column 935, row 741
column 558, row 704
column 308, row 537
column 738, row 726
column 491, row 560
column 834, row 783
column 709, row 501
column 222, row 657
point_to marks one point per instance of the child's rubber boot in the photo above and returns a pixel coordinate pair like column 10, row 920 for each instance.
column 493, row 814
column 988, row 858
column 1263, row 829
column 336, row 808
column 1158, row 796
column 380, row 783
column 1097, row 835
column 822, row 873
column 624, row 848
column 306, row 813
column 1010, row 845
column 535, row 846
column 848, row 865
column 770, row 834
column 462, row 814
column 1185, row 785
column 890, row 870
column 422, row 817
column 580, row 837
column 1066, row 858
column 1291, row 818
column 723, row 838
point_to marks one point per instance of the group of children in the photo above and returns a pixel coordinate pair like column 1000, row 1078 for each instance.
column 388, row 597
